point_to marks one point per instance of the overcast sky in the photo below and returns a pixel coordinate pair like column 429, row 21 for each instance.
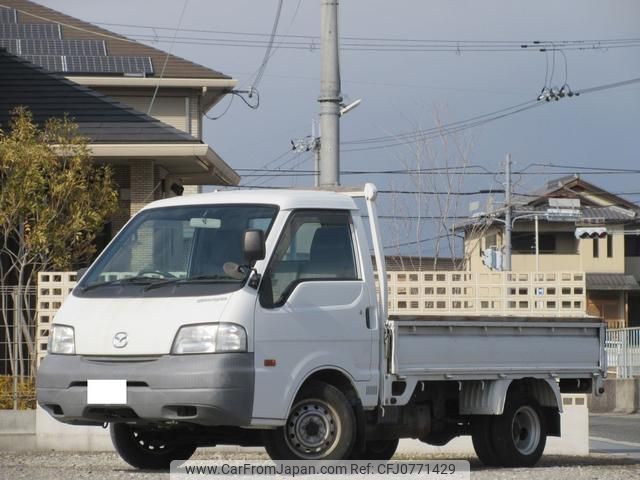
column 404, row 90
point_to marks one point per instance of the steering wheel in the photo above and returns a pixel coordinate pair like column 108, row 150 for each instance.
column 157, row 272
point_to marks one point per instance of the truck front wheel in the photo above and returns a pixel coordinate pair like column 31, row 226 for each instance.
column 377, row 450
column 148, row 449
column 519, row 434
column 320, row 426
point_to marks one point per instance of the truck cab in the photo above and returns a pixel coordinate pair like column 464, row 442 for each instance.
column 255, row 318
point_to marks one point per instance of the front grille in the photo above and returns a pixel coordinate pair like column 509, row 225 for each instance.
column 120, row 358
column 130, row 383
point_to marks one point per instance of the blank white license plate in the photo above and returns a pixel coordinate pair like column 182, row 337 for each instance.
column 106, row 392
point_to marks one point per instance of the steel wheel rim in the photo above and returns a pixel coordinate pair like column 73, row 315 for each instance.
column 313, row 429
column 151, row 445
column 526, row 430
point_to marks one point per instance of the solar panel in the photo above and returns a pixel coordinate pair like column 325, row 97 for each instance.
column 63, row 47
column 123, row 65
column 48, row 62
column 8, row 15
column 10, row 45
column 34, row 30
column 94, row 64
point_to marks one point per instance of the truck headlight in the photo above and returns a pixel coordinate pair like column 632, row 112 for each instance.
column 62, row 340
column 210, row 338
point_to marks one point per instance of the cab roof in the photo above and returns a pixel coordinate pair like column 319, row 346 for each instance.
column 285, row 199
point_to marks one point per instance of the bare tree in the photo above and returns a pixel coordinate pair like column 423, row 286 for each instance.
column 439, row 163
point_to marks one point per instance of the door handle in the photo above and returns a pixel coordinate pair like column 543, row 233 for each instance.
column 367, row 317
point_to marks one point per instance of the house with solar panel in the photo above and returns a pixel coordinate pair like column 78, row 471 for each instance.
column 55, row 64
column 582, row 229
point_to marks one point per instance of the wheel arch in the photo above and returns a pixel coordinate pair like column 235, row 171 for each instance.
column 331, row 375
column 341, row 380
column 489, row 397
column 547, row 393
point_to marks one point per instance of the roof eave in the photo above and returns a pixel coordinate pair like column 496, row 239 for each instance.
column 215, row 170
column 126, row 81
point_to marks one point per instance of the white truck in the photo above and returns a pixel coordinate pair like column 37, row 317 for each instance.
column 254, row 318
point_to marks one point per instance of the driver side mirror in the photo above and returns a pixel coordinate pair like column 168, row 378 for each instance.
column 253, row 246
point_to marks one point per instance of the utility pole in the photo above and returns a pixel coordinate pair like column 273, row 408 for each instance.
column 330, row 97
column 507, row 218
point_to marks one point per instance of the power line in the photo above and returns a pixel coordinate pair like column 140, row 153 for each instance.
column 312, row 45
column 386, row 43
column 389, row 141
column 422, row 132
column 267, row 53
column 463, row 169
column 462, row 194
column 166, row 58
column 424, row 240
column 310, row 173
column 518, row 42
column 418, row 217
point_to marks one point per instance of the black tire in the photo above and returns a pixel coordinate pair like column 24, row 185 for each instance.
column 482, row 437
column 377, row 450
column 148, row 449
column 519, row 434
column 320, row 426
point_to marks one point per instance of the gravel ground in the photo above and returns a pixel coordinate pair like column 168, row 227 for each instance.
column 108, row 466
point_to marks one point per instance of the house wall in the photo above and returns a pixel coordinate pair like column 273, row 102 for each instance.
column 143, row 184
column 547, row 263
column 604, row 264
column 138, row 182
column 611, row 306
column 582, row 260
column 180, row 108
column 122, row 177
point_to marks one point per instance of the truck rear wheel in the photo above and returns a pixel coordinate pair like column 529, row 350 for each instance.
column 519, row 434
column 482, row 437
column 320, row 426
column 148, row 449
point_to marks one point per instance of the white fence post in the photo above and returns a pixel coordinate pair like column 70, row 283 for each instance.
column 623, row 351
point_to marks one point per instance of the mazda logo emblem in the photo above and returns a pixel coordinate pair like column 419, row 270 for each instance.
column 120, row 340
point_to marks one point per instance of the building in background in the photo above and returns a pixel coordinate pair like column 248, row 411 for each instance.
column 140, row 107
column 611, row 263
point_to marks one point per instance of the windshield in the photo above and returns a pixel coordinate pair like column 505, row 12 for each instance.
column 176, row 246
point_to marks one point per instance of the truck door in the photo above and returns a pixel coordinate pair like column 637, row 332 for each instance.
column 312, row 310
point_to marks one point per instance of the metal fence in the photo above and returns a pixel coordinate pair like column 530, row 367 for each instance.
column 623, row 352
column 17, row 347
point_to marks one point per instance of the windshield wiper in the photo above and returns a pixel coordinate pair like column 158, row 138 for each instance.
column 207, row 278
column 139, row 279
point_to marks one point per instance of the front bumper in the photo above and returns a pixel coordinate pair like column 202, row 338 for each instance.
column 208, row 389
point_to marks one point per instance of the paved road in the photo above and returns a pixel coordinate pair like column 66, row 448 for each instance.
column 615, row 445
column 615, row 435
column 107, row 466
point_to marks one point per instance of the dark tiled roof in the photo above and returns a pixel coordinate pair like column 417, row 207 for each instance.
column 116, row 45
column 100, row 118
column 572, row 186
column 611, row 214
column 612, row 281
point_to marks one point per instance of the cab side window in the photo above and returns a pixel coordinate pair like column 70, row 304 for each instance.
column 314, row 246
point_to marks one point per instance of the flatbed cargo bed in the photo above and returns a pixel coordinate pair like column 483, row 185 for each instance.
column 467, row 348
